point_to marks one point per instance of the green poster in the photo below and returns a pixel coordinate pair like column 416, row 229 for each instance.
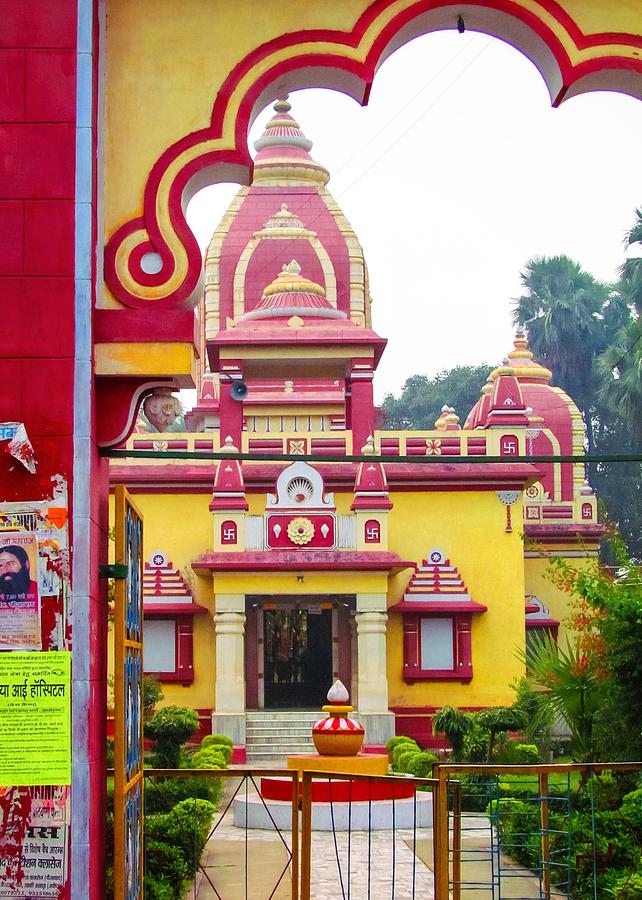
column 35, row 718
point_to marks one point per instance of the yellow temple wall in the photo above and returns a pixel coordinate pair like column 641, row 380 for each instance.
column 469, row 528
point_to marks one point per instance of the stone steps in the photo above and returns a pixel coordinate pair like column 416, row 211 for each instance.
column 275, row 734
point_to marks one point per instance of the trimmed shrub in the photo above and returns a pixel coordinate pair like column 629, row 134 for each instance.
column 210, row 758
column 404, row 759
column 170, row 791
column 224, row 749
column 420, row 765
column 185, row 829
column 170, row 727
column 403, row 747
column 216, row 739
column 395, row 741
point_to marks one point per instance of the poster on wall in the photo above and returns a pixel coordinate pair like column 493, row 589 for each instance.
column 35, row 718
column 19, row 591
column 34, row 835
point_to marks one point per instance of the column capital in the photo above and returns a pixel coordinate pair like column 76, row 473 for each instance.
column 372, row 603
column 224, row 603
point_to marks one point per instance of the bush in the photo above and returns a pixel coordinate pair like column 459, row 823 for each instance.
column 394, row 742
column 157, row 889
column 627, row 886
column 404, row 758
column 170, row 791
column 224, row 749
column 514, row 753
column 168, row 869
column 185, row 829
column 403, row 747
column 209, row 758
column 421, row 764
column 216, row 739
column 631, row 808
column 170, row 727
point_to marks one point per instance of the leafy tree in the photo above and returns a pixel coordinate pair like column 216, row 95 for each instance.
column 608, row 620
column 621, row 364
column 565, row 311
column 498, row 719
column 455, row 724
column 422, row 398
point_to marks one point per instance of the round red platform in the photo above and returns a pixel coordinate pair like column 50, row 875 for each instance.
column 340, row 791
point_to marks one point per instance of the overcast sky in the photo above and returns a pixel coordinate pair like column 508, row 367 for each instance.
column 455, row 174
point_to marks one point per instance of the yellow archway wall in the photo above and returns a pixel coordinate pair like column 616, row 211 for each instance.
column 173, row 71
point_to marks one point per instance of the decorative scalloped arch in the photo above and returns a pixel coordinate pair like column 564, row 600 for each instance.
column 569, row 61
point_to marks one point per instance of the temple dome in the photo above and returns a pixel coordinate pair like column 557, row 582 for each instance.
column 555, row 423
column 291, row 294
column 286, row 213
column 283, row 151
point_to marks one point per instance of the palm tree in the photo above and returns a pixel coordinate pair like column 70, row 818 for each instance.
column 621, row 364
column 563, row 310
column 571, row 688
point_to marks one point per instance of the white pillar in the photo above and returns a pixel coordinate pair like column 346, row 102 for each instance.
column 371, row 619
column 229, row 701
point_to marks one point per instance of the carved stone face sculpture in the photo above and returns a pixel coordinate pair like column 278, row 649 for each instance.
column 162, row 409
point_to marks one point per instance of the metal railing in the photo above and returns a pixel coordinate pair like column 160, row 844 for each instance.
column 457, row 832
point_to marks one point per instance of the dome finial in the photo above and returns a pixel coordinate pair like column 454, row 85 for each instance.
column 282, row 105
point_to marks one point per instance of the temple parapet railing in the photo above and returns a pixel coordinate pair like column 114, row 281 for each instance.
column 566, row 501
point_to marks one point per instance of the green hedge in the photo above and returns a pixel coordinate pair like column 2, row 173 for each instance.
column 403, row 747
column 208, row 744
column 420, row 765
column 399, row 739
column 216, row 739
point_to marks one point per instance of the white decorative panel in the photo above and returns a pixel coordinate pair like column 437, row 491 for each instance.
column 347, row 532
column 437, row 644
column 254, row 539
column 159, row 645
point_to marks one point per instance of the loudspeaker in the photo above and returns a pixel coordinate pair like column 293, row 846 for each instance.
column 238, row 390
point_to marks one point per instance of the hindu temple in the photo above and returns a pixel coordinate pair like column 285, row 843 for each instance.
column 265, row 580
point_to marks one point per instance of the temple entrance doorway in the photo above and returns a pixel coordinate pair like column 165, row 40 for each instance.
column 295, row 649
column 297, row 657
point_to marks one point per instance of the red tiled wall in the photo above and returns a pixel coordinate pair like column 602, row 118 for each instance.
column 37, row 175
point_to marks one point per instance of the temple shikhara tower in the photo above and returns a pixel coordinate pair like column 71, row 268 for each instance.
column 267, row 579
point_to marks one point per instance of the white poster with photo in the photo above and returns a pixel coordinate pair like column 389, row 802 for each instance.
column 19, row 591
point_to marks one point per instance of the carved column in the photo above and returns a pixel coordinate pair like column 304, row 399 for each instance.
column 229, row 702
column 371, row 619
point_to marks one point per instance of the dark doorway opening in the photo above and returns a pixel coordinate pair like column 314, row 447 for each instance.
column 298, row 657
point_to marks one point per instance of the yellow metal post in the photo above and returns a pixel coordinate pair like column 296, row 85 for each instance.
column 128, row 719
column 306, row 835
column 441, row 847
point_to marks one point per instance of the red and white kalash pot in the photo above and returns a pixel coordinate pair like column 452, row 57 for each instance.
column 337, row 734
